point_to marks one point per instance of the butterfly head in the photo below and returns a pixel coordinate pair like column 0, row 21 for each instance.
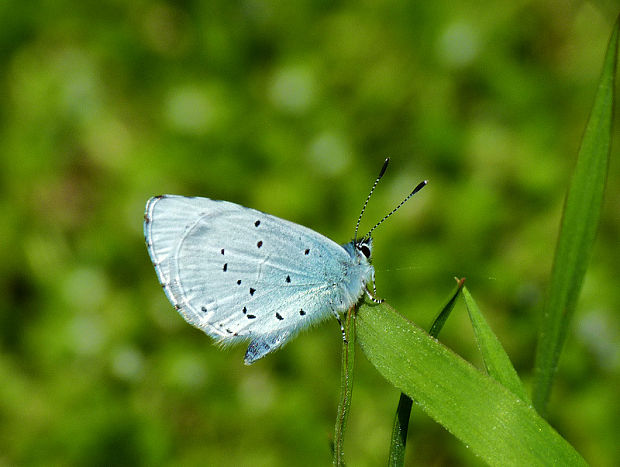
column 364, row 247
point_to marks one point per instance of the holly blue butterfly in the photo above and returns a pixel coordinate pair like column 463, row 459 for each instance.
column 240, row 274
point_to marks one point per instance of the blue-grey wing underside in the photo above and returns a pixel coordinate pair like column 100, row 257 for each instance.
column 237, row 273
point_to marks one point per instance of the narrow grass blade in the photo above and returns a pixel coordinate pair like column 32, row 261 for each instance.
column 446, row 309
column 346, row 388
column 580, row 219
column 400, row 426
column 495, row 358
column 488, row 418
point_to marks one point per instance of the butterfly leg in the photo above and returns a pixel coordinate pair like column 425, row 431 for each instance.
column 373, row 296
column 344, row 336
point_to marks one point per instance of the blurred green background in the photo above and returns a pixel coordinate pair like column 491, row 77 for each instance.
column 290, row 108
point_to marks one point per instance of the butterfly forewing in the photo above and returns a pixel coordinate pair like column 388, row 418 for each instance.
column 238, row 273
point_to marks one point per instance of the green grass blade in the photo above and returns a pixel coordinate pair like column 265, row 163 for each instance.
column 495, row 358
column 346, row 388
column 446, row 309
column 578, row 229
column 400, row 426
column 488, row 418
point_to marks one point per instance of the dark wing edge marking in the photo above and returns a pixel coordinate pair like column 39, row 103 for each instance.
column 263, row 345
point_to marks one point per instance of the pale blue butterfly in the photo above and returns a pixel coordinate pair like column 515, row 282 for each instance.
column 240, row 274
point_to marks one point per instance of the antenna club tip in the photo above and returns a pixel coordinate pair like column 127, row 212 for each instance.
column 383, row 169
column 418, row 187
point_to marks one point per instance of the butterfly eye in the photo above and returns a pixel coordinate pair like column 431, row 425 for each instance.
column 365, row 251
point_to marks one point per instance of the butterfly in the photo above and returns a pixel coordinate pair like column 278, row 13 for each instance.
column 240, row 274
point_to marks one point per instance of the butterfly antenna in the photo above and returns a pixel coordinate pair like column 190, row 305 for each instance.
column 415, row 190
column 385, row 164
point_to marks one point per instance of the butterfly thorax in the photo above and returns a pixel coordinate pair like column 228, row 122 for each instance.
column 359, row 271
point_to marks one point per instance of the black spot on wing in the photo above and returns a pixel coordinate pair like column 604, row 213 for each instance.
column 279, row 316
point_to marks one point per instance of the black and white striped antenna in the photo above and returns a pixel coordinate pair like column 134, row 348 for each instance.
column 383, row 169
column 415, row 190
